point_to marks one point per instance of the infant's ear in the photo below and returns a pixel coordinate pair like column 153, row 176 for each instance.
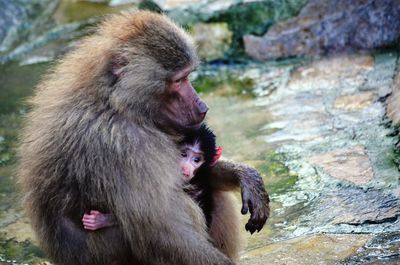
column 218, row 154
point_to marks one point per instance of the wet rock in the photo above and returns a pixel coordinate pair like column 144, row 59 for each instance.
column 51, row 29
column 212, row 40
column 315, row 249
column 347, row 73
column 169, row 4
column 350, row 164
column 334, row 150
column 356, row 206
column 123, row 2
column 380, row 261
column 268, row 80
column 329, row 26
column 18, row 18
column 382, row 249
column 380, row 79
column 188, row 12
column 355, row 102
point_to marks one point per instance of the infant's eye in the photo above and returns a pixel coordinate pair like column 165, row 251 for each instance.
column 197, row 159
column 183, row 154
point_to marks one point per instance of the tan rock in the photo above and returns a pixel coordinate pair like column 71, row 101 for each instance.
column 212, row 39
column 393, row 107
column 355, row 102
column 350, row 164
column 316, row 249
column 20, row 230
column 332, row 72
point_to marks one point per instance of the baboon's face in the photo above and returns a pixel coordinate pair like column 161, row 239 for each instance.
column 191, row 160
column 184, row 110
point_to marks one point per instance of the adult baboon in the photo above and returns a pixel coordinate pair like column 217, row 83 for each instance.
column 102, row 135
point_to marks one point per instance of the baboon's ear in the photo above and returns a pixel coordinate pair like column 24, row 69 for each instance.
column 117, row 65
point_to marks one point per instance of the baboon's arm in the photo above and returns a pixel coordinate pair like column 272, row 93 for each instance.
column 226, row 175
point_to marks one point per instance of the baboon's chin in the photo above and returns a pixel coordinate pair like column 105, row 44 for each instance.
column 193, row 126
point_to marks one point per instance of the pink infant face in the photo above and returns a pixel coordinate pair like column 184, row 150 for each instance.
column 191, row 159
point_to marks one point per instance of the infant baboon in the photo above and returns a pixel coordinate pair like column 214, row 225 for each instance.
column 199, row 154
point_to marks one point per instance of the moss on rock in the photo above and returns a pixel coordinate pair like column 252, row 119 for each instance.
column 224, row 84
column 278, row 178
column 19, row 252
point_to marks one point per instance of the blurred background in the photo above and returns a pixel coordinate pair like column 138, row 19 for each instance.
column 306, row 91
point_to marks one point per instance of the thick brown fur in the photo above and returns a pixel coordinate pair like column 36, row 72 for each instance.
column 95, row 141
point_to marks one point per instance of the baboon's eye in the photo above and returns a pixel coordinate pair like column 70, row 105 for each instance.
column 180, row 81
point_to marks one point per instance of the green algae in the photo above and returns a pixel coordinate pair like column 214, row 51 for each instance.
column 7, row 182
column 277, row 176
column 14, row 252
column 396, row 147
column 13, row 89
column 17, row 82
column 70, row 11
column 149, row 5
column 9, row 126
column 394, row 154
column 226, row 84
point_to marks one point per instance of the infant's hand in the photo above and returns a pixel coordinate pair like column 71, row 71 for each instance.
column 96, row 220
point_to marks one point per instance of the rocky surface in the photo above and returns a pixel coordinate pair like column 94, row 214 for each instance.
column 340, row 194
column 328, row 120
column 329, row 26
column 350, row 164
column 316, row 249
column 18, row 18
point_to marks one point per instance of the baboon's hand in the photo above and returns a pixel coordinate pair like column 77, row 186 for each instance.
column 254, row 198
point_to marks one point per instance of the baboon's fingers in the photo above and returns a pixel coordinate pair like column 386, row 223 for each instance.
column 245, row 199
